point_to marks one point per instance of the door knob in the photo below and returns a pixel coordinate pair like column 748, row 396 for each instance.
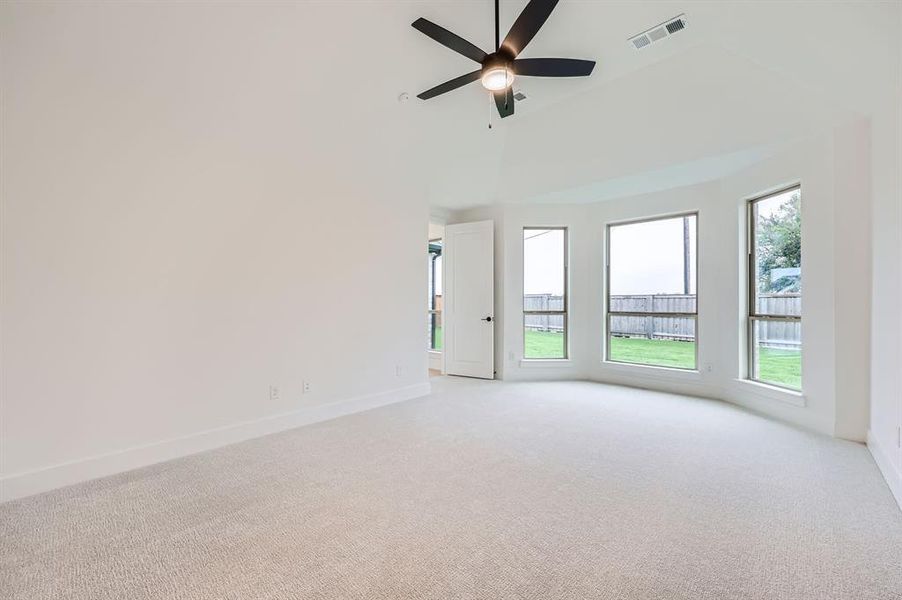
column 487, row 319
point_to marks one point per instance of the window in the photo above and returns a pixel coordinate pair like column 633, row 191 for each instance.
column 545, row 292
column 434, row 306
column 651, row 292
column 775, row 289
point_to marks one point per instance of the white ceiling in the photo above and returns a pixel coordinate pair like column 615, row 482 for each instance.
column 313, row 86
column 740, row 82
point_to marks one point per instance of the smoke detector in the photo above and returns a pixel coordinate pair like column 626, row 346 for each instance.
column 658, row 32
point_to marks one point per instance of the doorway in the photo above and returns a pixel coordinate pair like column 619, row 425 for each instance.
column 435, row 300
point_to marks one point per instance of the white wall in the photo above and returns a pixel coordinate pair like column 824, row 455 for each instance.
column 173, row 244
column 579, row 338
column 852, row 277
column 714, row 221
column 885, row 431
column 836, row 268
column 832, row 171
column 886, row 333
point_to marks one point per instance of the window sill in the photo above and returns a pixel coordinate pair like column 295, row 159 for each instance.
column 652, row 370
column 544, row 363
column 771, row 392
column 434, row 352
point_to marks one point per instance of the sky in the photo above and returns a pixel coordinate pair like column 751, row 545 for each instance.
column 646, row 258
column 543, row 261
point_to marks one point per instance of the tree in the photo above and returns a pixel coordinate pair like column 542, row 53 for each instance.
column 779, row 246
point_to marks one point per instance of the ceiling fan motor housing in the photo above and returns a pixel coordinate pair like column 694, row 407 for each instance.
column 497, row 60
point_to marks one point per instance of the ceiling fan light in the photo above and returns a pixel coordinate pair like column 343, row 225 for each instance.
column 497, row 78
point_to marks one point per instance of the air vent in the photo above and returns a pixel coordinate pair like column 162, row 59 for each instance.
column 519, row 96
column 675, row 26
column 659, row 32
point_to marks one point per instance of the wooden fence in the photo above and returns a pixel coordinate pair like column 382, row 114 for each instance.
column 774, row 334
column 553, row 323
column 659, row 328
column 779, row 334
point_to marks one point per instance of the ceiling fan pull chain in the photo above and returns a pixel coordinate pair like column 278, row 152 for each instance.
column 491, row 106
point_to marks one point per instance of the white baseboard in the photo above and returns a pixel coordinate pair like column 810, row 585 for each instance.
column 690, row 383
column 19, row 485
column 435, row 360
column 890, row 472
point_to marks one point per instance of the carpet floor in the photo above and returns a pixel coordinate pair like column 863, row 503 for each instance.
column 482, row 490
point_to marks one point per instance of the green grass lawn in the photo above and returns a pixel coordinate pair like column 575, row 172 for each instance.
column 661, row 353
column 438, row 340
column 781, row 367
column 544, row 344
column 664, row 353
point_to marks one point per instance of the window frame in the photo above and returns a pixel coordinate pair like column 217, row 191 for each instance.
column 432, row 311
column 565, row 313
column 608, row 314
column 752, row 314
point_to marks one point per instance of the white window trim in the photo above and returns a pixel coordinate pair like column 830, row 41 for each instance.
column 540, row 362
column 546, row 363
column 788, row 394
column 772, row 392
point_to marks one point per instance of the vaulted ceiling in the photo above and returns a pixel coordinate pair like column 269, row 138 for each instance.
column 314, row 87
column 742, row 80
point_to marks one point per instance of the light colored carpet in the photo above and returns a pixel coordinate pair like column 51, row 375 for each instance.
column 481, row 490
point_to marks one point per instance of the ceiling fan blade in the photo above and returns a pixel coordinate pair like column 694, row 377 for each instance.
column 504, row 100
column 452, row 84
column 553, row 67
column 448, row 39
column 527, row 25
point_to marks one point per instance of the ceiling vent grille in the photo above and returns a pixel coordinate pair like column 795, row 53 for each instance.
column 675, row 26
column 641, row 41
column 659, row 32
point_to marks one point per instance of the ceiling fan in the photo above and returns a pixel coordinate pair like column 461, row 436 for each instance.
column 499, row 68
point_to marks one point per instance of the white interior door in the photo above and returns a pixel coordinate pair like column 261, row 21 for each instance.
column 469, row 297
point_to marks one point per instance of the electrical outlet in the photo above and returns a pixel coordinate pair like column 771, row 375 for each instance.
column 274, row 393
column 306, row 387
column 709, row 367
column 399, row 371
